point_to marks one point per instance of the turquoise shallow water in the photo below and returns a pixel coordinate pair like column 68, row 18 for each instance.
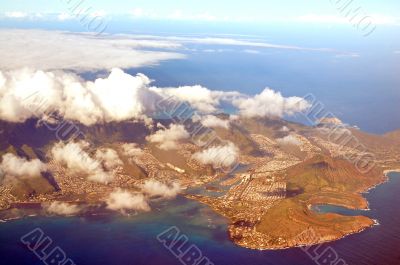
column 112, row 239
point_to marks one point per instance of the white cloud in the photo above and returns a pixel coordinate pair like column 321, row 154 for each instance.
column 251, row 51
column 128, row 97
column 75, row 157
column 233, row 42
column 109, row 158
column 323, row 19
column 49, row 50
column 55, row 50
column 23, row 16
column 270, row 103
column 15, row 14
column 167, row 139
column 180, row 15
column 234, row 117
column 13, row 165
column 98, row 13
column 218, row 156
column 284, row 129
column 131, row 150
column 396, row 52
column 214, row 122
column 121, row 200
column 101, row 177
column 138, row 12
column 267, row 103
column 348, row 55
column 216, row 50
column 174, row 15
column 61, row 208
column 64, row 16
column 200, row 98
column 245, row 43
column 155, row 188
column 289, row 140
column 118, row 97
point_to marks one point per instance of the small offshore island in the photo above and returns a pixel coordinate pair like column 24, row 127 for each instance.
column 286, row 169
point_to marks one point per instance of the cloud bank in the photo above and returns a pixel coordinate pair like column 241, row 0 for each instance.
column 218, row 156
column 284, row 129
column 289, row 140
column 60, row 50
column 109, row 158
column 121, row 200
column 270, row 103
column 16, row 166
column 154, row 188
column 200, row 98
column 56, row 50
column 77, row 160
column 214, row 122
column 61, row 208
column 120, row 97
column 25, row 94
column 131, row 149
column 168, row 138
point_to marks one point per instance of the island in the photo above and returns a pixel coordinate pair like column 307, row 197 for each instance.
column 282, row 169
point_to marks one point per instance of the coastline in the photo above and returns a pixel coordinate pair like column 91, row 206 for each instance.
column 388, row 171
column 328, row 238
column 375, row 221
column 323, row 240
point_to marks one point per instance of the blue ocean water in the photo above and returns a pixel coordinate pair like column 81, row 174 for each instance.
column 363, row 96
column 133, row 240
column 357, row 80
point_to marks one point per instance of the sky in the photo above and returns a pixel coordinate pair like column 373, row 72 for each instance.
column 383, row 12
